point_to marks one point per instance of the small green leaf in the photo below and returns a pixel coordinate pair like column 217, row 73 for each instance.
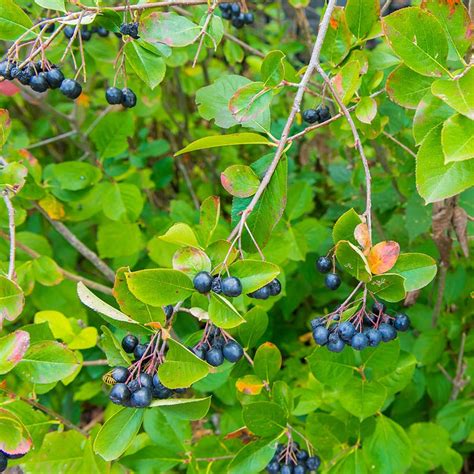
column 267, row 361
column 250, row 102
column 418, row 270
column 12, row 176
column 254, row 274
column 330, row 368
column 110, row 136
column 5, row 124
column 181, row 367
column 180, row 234
column 366, row 109
column 118, row 432
column 52, row 4
column 240, row 181
column 184, row 408
column 14, row 437
column 122, row 202
column 12, row 349
column 254, row 328
column 345, row 226
column 148, row 66
column 361, row 16
column 191, row 261
column 208, row 219
column 222, row 313
column 12, row 300
column 353, row 261
column 273, row 68
column 264, row 418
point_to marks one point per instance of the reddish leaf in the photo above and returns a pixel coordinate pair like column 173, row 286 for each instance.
column 383, row 256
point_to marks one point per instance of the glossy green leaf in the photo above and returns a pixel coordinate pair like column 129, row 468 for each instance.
column 11, row 299
column 222, row 313
column 330, row 368
column 148, row 66
column 168, row 28
column 361, row 16
column 352, row 260
column 267, row 361
column 457, row 138
column 110, row 136
column 254, row 327
column 184, row 408
column 273, row 68
column 418, row 270
column 366, row 109
column 122, row 202
column 337, row 41
column 389, row 287
column 264, row 418
column 253, row 457
column 345, row 226
column 240, row 181
column 250, row 102
column 191, row 261
column 254, row 274
column 14, row 437
column 362, row 398
column 406, row 87
column 12, row 349
column 180, row 234
column 13, row 21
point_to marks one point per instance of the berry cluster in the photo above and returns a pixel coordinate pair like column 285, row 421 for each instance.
column 319, row 115
column 4, row 457
column 332, row 280
column 290, row 459
column 216, row 346
column 126, row 97
column 231, row 12
column 137, row 385
column 86, row 33
column 40, row 76
column 130, row 29
column 231, row 286
column 360, row 331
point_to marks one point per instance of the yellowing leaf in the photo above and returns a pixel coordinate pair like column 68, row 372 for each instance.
column 382, row 256
column 53, row 207
column 249, row 385
column 361, row 234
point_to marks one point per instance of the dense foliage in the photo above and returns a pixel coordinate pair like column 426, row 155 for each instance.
column 235, row 237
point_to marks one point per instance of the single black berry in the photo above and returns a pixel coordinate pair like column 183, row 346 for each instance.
column 140, row 350
column 215, row 357
column 324, row 113
column 248, row 18
column 203, row 282
column 311, row 116
column 224, row 7
column 39, row 83
column 54, row 77
column 286, row 469
column 235, row 9
column 299, row 469
column 145, row 380
column 114, row 95
column 359, row 341
column 120, row 374
column 401, row 322
column 141, row 398
column 316, row 322
column 323, row 264
column 313, row 462
column 261, row 294
column 335, row 343
column 387, row 332
column 102, row 32
column 346, row 330
column 302, row 455
column 332, row 281
column 129, row 29
column 232, row 351
column 216, row 286
column 71, row 88
column 129, row 343
column 69, row 31
column 24, row 76
column 200, row 352
column 86, row 34
column 273, row 467
column 231, row 286
column 226, row 14
column 120, row 394
column 320, row 335
column 238, row 21
column 169, row 310
column 129, row 99
column 3, row 462
column 133, row 385
column 374, row 337
column 159, row 390
column 275, row 287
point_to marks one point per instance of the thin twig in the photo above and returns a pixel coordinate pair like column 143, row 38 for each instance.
column 399, row 143
column 11, row 227
column 85, row 251
column 47, row 141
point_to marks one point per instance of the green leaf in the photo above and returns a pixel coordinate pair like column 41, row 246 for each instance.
column 180, row 234
column 52, row 4
column 166, row 430
column 58, row 323
column 148, row 66
column 118, row 432
column 113, row 349
column 264, row 418
column 254, row 327
column 366, row 109
column 353, row 261
column 191, row 261
column 344, row 227
column 362, row 398
column 406, row 87
column 380, row 360
column 122, row 202
column 46, row 271
column 12, row 349
column 398, row 379
column 353, row 463
column 13, row 21
column 267, row 361
column 252, row 458
column 151, row 459
column 47, row 362
column 12, row 300
column 347, row 81
column 168, row 28
column 12, row 176
column 419, row 39
column 458, row 93
column 361, row 16
column 388, row 446
column 73, row 175
column 457, row 417
column 181, row 367
column 14, row 437
column 213, row 103
column 389, row 287
column 250, row 102
column 429, row 347
column 273, row 68
column 436, row 180
column 457, row 138
column 209, row 218
column 254, row 274
column 184, row 408
column 330, row 368
column 222, row 313
column 418, row 270
column 337, row 41
column 225, row 140
column 110, row 136
column 5, row 124
column 159, row 287
column 240, row 181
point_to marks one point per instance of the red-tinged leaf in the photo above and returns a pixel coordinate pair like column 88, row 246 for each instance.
column 14, row 437
column 361, row 234
column 12, row 349
column 383, row 256
column 249, row 385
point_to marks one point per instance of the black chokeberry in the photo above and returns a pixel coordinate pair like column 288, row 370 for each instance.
column 200, row 352
column 323, row 264
column 261, row 294
column 169, row 310
column 299, row 469
column 235, row 9
column 324, row 113
column 129, row 343
column 86, row 34
column 311, row 116
column 359, row 341
column 232, row 351
column 203, row 282
column 120, row 394
column 129, row 29
column 302, row 455
column 102, row 32
column 24, row 76
column 316, row 322
column 320, row 335
column 215, row 357
column 145, row 380
column 346, row 330
column 216, row 286
column 273, row 467
column 275, row 287
column 335, row 343
column 248, row 18
column 332, row 281
column 133, row 385
column 141, row 398
column 224, row 7
column 374, row 337
column 129, row 99
column 39, row 83
column 54, row 77
column 387, row 332
column 286, row 469
column 114, row 95
column 140, row 350
column 231, row 286
column 3, row 462
column 69, row 31
column 401, row 322
column 71, row 88
column 313, row 462
column 161, row 392
column 378, row 308
column 120, row 374
column 238, row 21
